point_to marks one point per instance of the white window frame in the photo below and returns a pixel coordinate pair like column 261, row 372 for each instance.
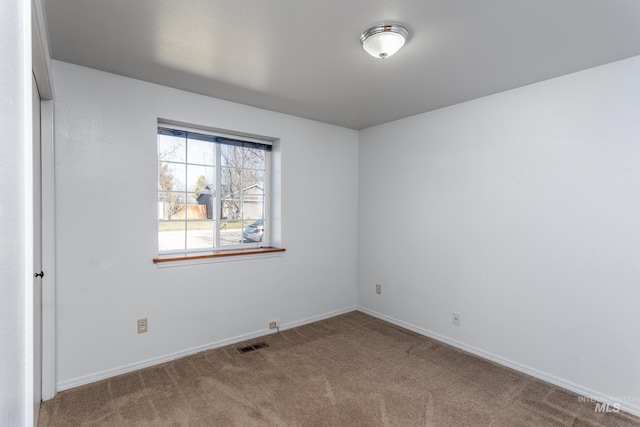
column 217, row 247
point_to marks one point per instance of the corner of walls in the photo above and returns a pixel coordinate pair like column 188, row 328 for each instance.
column 626, row 403
column 518, row 211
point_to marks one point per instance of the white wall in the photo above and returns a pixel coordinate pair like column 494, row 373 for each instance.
column 16, row 217
column 106, row 210
column 520, row 211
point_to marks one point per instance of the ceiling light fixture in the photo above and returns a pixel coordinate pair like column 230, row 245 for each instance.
column 383, row 40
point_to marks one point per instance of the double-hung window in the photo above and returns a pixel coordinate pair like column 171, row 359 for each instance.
column 213, row 191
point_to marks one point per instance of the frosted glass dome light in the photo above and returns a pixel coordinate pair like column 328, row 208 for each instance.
column 383, row 40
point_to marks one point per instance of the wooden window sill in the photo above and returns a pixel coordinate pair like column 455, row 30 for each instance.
column 171, row 258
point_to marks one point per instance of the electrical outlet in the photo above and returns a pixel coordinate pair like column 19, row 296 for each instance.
column 378, row 289
column 143, row 325
column 274, row 324
column 455, row 318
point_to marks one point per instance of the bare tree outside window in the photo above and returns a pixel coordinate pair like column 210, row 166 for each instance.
column 170, row 150
column 243, row 174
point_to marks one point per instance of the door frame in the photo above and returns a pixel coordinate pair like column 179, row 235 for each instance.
column 41, row 64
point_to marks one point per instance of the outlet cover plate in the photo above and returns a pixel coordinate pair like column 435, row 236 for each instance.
column 455, row 318
column 143, row 325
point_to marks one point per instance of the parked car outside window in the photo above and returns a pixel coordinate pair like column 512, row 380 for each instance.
column 254, row 231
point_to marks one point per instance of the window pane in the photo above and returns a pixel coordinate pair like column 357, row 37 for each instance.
column 171, row 148
column 207, row 202
column 193, row 210
column 230, row 155
column 170, row 205
column 252, row 207
column 171, row 235
column 253, row 182
column 231, row 227
column 253, row 232
column 230, row 232
column 200, row 179
column 231, row 208
column 231, row 181
column 171, row 176
column 254, row 159
column 200, row 234
column 201, row 152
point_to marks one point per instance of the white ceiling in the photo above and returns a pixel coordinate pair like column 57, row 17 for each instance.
column 303, row 57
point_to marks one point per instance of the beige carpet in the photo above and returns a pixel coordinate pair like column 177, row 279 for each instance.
column 351, row 370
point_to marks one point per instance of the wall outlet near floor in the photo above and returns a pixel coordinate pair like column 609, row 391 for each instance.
column 274, row 324
column 143, row 325
column 378, row 289
column 455, row 318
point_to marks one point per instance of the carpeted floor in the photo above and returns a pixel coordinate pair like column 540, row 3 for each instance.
column 351, row 370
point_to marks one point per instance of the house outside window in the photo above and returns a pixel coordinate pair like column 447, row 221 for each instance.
column 213, row 191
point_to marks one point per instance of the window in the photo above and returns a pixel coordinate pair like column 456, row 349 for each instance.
column 213, row 191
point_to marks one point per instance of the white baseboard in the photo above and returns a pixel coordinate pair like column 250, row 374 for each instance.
column 622, row 403
column 87, row 379
column 317, row 318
